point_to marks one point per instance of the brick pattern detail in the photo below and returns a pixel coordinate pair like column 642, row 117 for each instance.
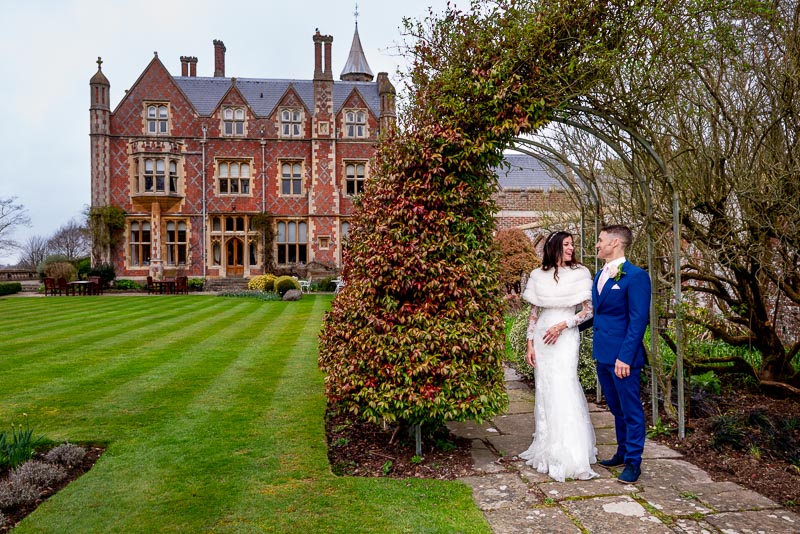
column 523, row 208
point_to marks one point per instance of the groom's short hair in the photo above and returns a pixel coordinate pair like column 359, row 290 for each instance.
column 621, row 232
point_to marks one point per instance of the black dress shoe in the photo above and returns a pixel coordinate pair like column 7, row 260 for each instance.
column 615, row 461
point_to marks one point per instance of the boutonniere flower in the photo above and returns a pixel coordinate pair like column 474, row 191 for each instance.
column 620, row 273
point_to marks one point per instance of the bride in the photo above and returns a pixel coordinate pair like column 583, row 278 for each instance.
column 563, row 442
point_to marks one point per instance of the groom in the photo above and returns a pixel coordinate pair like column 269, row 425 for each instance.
column 621, row 299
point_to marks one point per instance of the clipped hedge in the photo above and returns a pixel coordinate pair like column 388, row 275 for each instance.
column 285, row 283
column 9, row 288
column 126, row 284
column 263, row 282
column 196, row 284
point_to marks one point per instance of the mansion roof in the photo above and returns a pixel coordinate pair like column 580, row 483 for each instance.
column 526, row 173
column 263, row 95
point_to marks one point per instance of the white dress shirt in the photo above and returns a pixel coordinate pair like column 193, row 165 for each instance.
column 609, row 271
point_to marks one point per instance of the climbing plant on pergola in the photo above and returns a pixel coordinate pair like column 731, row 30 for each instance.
column 416, row 335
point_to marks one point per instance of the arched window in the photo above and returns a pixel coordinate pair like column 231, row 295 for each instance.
column 234, row 177
column 355, row 123
column 233, row 121
column 157, row 119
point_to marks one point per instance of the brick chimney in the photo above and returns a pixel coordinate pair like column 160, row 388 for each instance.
column 184, row 65
column 192, row 66
column 219, row 59
column 322, row 72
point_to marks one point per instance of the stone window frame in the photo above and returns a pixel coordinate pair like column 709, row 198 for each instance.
column 355, row 179
column 157, row 124
column 170, row 173
column 175, row 245
column 291, row 122
column 292, row 179
column 230, row 117
column 284, row 247
column 229, row 180
column 355, row 123
column 139, row 250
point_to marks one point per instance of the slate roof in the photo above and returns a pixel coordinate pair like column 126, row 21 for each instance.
column 526, row 172
column 263, row 95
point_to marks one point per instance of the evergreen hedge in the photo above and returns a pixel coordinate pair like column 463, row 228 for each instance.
column 417, row 335
column 9, row 288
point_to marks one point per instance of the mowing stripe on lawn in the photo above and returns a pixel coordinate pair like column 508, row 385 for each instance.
column 215, row 424
column 121, row 354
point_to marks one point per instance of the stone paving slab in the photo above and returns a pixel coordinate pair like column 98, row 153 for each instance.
column 673, row 501
column 615, row 515
column 606, row 451
column 509, row 445
column 767, row 522
column 522, row 394
column 501, row 491
column 515, row 424
column 728, row 497
column 602, row 419
column 513, row 385
column 483, row 459
column 539, row 520
column 605, row 436
column 471, row 429
column 531, row 474
column 692, row 526
column 669, row 472
column 511, row 375
column 520, row 407
column 672, row 495
column 571, row 489
column 653, row 449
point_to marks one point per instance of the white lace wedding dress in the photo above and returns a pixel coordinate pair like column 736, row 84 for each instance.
column 563, row 440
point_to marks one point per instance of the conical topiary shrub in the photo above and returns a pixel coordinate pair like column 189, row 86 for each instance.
column 416, row 334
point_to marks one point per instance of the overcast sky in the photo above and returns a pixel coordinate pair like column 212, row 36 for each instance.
column 49, row 49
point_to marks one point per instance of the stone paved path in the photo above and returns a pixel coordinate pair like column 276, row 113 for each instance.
column 672, row 495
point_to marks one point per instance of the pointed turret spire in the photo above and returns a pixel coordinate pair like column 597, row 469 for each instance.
column 356, row 69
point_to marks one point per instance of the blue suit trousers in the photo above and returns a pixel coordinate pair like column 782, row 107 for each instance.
column 623, row 398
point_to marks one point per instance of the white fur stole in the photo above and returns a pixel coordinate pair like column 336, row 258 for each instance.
column 573, row 287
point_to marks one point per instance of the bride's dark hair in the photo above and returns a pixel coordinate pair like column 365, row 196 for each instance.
column 553, row 246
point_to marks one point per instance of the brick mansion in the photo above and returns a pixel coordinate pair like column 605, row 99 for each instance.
column 226, row 177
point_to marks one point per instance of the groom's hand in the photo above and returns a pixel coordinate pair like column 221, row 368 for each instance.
column 622, row 369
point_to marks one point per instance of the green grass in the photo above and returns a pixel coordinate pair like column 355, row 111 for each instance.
column 212, row 410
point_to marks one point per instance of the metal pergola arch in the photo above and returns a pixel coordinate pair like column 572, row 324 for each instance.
column 634, row 138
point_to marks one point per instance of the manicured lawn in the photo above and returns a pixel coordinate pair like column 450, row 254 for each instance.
column 212, row 410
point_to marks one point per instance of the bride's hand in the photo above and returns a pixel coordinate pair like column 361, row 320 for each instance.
column 552, row 333
column 530, row 357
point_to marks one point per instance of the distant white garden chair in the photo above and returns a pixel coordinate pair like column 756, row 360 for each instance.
column 305, row 285
column 339, row 284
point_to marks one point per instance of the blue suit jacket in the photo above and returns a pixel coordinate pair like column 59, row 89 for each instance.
column 621, row 315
